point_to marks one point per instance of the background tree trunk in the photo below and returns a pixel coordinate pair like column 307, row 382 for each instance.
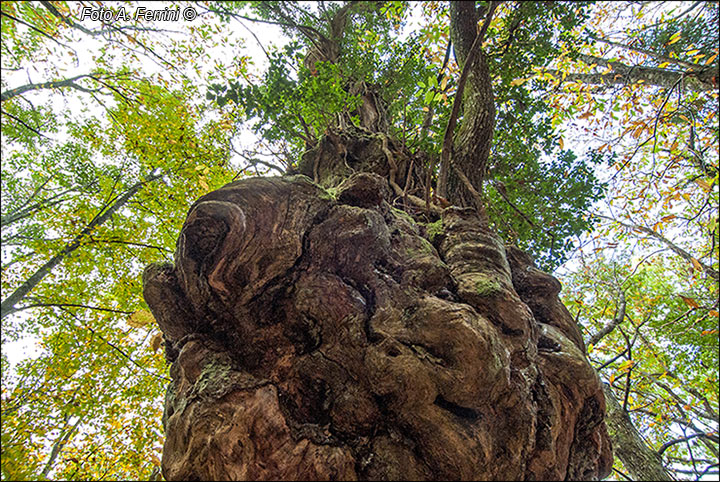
column 641, row 461
column 472, row 143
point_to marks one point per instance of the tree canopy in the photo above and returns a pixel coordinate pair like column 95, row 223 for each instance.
column 603, row 165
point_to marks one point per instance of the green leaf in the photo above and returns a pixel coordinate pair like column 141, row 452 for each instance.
column 428, row 97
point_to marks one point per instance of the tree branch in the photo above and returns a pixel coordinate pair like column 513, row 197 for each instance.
column 8, row 304
column 71, row 305
column 32, row 27
column 617, row 319
column 54, row 84
column 681, row 252
column 647, row 52
column 25, row 125
column 699, row 80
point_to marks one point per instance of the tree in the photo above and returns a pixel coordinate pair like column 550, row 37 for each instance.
column 652, row 331
column 353, row 89
column 81, row 186
column 316, row 332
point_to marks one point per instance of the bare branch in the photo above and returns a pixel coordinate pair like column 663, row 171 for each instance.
column 697, row 79
column 24, row 124
column 617, row 319
column 681, row 252
column 54, row 84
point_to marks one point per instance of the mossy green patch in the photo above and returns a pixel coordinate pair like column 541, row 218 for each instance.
column 329, row 193
column 402, row 214
column 434, row 229
column 426, row 246
column 487, row 286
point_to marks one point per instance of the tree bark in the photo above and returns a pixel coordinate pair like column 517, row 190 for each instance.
column 472, row 143
column 641, row 461
column 317, row 336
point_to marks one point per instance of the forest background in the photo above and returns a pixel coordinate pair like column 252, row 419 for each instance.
column 111, row 129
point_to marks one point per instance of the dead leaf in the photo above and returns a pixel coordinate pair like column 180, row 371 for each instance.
column 703, row 184
column 696, row 264
column 156, row 342
column 140, row 318
column 690, row 302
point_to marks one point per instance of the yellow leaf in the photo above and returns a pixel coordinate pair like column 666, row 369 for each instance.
column 713, row 313
column 696, row 264
column 517, row 82
column 203, row 184
column 693, row 52
column 586, row 115
column 668, row 218
column 663, row 65
column 703, row 184
column 674, row 38
column 156, row 342
column 690, row 302
column 140, row 318
column 709, row 61
column 561, row 142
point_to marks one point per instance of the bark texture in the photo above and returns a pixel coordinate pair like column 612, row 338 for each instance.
column 327, row 335
column 473, row 140
column 641, row 461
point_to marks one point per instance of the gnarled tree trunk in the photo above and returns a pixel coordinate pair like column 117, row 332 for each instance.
column 325, row 334
column 321, row 337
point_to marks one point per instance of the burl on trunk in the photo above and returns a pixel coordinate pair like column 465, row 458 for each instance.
column 315, row 335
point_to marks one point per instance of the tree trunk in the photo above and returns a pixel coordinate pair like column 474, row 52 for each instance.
column 315, row 335
column 472, row 143
column 641, row 461
column 324, row 334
